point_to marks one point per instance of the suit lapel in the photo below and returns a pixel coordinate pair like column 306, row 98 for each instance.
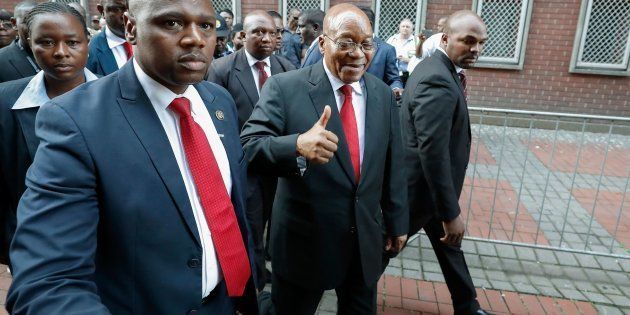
column 20, row 64
column 373, row 126
column 276, row 67
column 106, row 57
column 321, row 94
column 220, row 125
column 26, row 119
column 460, row 87
column 244, row 76
column 140, row 114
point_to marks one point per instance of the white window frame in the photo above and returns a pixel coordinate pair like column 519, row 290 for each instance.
column 578, row 66
column 420, row 19
column 236, row 9
column 284, row 9
column 516, row 62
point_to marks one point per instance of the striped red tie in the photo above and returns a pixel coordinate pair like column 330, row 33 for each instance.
column 217, row 205
column 349, row 123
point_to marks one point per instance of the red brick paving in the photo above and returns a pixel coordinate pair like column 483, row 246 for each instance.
column 607, row 211
column 591, row 158
column 433, row 298
column 483, row 154
column 503, row 216
column 497, row 302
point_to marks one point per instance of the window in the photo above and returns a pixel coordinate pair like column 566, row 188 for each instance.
column 389, row 13
column 602, row 38
column 234, row 5
column 508, row 24
column 287, row 5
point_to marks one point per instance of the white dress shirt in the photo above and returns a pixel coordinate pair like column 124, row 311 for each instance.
column 358, row 102
column 161, row 97
column 252, row 65
column 115, row 44
column 35, row 95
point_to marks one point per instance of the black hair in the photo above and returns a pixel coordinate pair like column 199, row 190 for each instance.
column 237, row 28
column 228, row 11
column 5, row 15
column 53, row 7
column 314, row 16
column 370, row 14
column 275, row 14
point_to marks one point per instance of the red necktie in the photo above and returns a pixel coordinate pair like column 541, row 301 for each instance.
column 128, row 50
column 462, row 78
column 217, row 206
column 262, row 75
column 349, row 122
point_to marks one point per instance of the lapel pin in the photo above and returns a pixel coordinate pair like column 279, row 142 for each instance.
column 219, row 115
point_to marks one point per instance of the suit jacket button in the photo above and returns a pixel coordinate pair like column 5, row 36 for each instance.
column 353, row 230
column 194, row 263
column 192, row 312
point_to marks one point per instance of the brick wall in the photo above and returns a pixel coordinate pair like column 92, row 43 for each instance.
column 544, row 83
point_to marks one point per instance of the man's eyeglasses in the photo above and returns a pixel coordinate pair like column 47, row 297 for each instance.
column 349, row 46
column 6, row 24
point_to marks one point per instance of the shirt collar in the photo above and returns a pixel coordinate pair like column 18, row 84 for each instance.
column 336, row 83
column 113, row 40
column 457, row 69
column 158, row 94
column 34, row 95
column 251, row 60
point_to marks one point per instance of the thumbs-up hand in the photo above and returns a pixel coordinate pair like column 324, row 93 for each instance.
column 318, row 145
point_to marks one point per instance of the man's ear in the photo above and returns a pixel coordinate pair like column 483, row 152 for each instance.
column 316, row 27
column 243, row 36
column 444, row 40
column 130, row 28
column 321, row 41
column 14, row 22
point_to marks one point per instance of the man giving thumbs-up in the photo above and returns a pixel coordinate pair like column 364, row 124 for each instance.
column 331, row 133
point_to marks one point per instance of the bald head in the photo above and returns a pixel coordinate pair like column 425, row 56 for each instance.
column 463, row 20
column 254, row 18
column 464, row 37
column 341, row 15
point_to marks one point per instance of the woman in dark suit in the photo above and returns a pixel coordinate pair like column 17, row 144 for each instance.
column 58, row 37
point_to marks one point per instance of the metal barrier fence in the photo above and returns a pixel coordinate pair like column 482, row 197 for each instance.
column 550, row 180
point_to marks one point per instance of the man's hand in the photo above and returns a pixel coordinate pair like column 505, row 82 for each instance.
column 398, row 92
column 395, row 244
column 453, row 231
column 318, row 145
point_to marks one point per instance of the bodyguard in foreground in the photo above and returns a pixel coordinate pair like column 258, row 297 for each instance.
column 134, row 202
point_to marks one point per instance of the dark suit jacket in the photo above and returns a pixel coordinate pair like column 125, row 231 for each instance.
column 312, row 239
column 234, row 74
column 382, row 66
column 436, row 136
column 18, row 144
column 105, row 223
column 291, row 48
column 101, row 60
column 14, row 63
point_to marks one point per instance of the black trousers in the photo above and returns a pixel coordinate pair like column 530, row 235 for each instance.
column 261, row 192
column 454, row 269
column 353, row 295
